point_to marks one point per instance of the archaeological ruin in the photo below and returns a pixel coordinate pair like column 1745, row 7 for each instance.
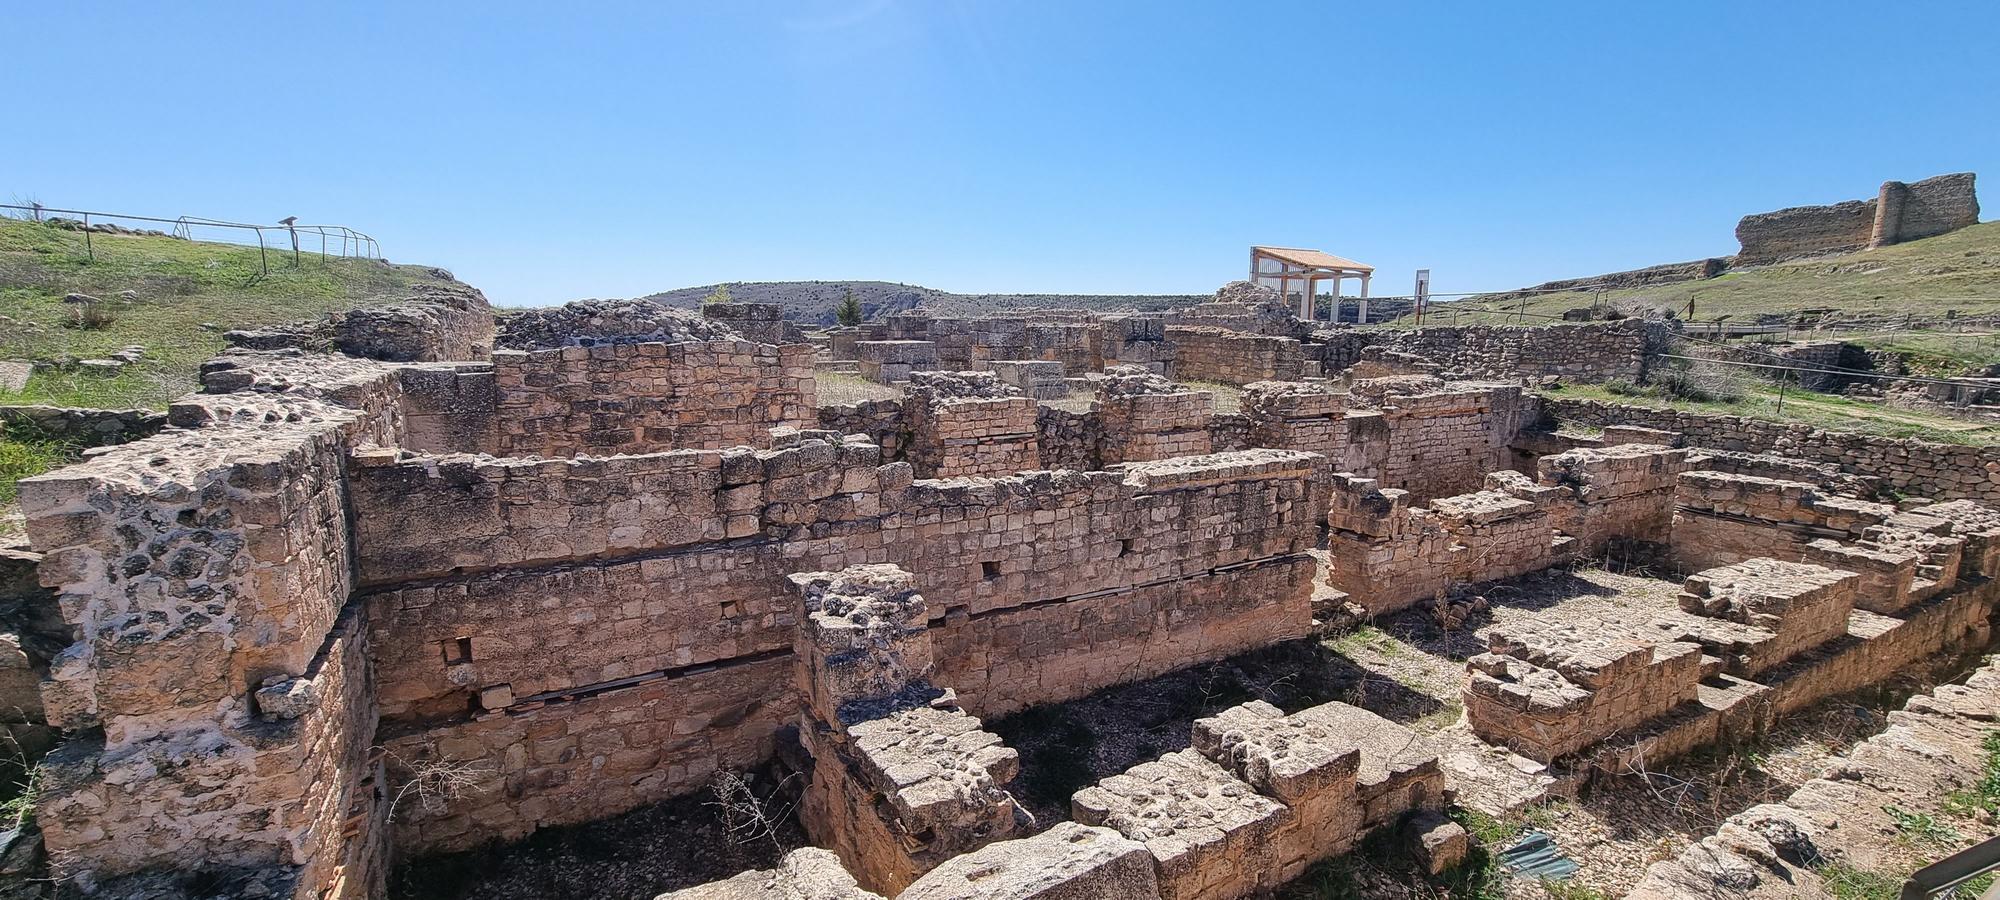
column 436, row 587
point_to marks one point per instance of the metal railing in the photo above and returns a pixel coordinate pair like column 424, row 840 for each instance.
column 1954, row 870
column 334, row 240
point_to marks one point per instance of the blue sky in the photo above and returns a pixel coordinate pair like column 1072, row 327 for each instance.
column 548, row 152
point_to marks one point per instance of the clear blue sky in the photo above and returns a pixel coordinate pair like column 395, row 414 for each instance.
column 553, row 151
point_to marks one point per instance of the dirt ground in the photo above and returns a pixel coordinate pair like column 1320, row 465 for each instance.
column 635, row 856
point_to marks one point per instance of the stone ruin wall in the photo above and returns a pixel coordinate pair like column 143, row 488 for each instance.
column 589, row 634
column 1203, row 353
column 206, row 574
column 1043, row 587
column 1904, row 465
column 1596, row 351
column 1900, row 212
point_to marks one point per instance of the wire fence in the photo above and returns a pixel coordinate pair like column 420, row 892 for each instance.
column 287, row 237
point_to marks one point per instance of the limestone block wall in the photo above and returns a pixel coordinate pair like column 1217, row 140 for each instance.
column 902, row 780
column 1595, row 351
column 1795, row 606
column 1914, row 467
column 1723, row 519
column 638, row 398
column 885, row 422
column 1547, row 689
column 1443, row 437
column 205, row 575
column 1203, row 353
column 889, row 362
column 1039, row 379
column 1900, row 212
column 1936, row 205
column 759, row 322
column 1261, row 796
column 1141, row 427
column 1619, row 492
column 957, row 437
column 629, row 615
column 1387, row 554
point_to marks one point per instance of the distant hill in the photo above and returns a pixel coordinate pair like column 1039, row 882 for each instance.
column 813, row 302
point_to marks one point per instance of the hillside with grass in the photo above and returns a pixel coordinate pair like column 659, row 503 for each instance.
column 172, row 297
column 1957, row 272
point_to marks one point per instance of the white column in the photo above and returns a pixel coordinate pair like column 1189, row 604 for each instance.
column 1363, row 318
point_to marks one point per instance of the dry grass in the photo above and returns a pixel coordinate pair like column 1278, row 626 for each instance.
column 837, row 389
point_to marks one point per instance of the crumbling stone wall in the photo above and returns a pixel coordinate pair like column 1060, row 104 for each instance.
column 635, row 398
column 760, row 322
column 1900, row 212
column 1548, row 689
column 1595, row 351
column 1442, row 437
column 1723, row 519
column 1906, row 465
column 206, row 576
column 970, row 423
column 891, row 362
column 678, row 557
column 902, row 779
column 80, row 427
column 1204, row 353
column 1386, row 553
column 1261, row 796
column 1937, row 205
column 1147, row 417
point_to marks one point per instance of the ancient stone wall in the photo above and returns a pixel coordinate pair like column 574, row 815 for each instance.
column 759, row 322
column 1596, row 351
column 891, row 362
column 1204, row 353
column 1937, row 205
column 1145, row 417
column 884, row 422
column 1548, row 689
column 970, row 423
column 1261, row 796
column 1442, row 437
column 1900, row 212
column 1723, row 519
column 637, row 398
column 205, row 575
column 1804, row 231
column 1906, row 465
column 498, row 580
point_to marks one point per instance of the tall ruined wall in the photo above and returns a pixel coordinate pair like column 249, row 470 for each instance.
column 520, row 601
column 1900, row 212
column 1596, row 351
column 1907, row 465
column 609, row 399
column 1933, row 206
column 1231, row 357
column 1805, row 231
column 206, row 576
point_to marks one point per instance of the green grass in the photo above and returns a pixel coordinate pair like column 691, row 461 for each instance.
column 1984, row 794
column 1935, row 354
column 22, row 458
column 1958, row 271
column 1848, row 883
column 179, row 286
column 1827, row 411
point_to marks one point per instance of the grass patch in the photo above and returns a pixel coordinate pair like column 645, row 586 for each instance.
column 1826, row 411
column 23, row 458
column 177, row 287
column 1959, row 271
column 1845, row 882
column 1984, row 794
column 1936, row 354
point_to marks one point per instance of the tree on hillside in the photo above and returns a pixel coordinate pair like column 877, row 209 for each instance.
column 719, row 295
column 849, row 311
